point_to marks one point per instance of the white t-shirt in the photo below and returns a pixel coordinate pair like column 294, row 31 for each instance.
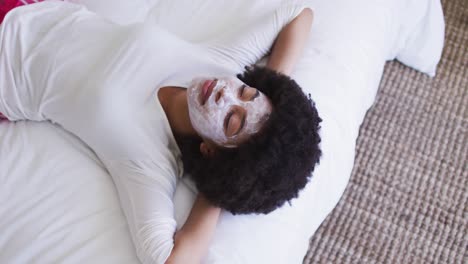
column 99, row 80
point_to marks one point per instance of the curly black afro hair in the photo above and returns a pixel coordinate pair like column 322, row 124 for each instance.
column 270, row 168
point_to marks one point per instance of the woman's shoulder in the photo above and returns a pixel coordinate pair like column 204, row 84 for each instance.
column 43, row 11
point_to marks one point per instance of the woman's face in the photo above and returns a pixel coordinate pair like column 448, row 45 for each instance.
column 225, row 110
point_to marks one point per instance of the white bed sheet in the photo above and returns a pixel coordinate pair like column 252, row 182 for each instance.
column 58, row 204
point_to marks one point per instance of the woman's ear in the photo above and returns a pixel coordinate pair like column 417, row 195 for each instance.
column 207, row 150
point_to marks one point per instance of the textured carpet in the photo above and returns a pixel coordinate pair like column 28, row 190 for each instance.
column 407, row 200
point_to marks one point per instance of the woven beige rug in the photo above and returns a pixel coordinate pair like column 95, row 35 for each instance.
column 407, row 200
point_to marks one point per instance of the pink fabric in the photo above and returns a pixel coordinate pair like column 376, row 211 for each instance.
column 2, row 117
column 7, row 5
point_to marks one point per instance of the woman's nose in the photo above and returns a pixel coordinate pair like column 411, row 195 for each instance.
column 218, row 95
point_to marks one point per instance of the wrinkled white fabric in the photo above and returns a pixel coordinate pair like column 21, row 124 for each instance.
column 99, row 80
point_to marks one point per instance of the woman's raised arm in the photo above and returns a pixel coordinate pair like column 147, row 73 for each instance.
column 290, row 43
column 242, row 47
column 193, row 239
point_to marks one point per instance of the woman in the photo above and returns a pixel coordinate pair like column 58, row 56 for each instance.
column 250, row 143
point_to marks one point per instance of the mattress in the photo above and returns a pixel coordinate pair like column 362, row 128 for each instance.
column 58, row 204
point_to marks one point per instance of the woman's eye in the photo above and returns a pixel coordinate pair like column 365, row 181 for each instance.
column 227, row 120
column 232, row 123
column 248, row 93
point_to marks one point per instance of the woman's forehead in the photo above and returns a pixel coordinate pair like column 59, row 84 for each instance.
column 230, row 79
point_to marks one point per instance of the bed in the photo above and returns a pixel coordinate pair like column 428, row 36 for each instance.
column 58, row 203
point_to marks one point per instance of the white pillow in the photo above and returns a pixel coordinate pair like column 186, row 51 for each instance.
column 418, row 24
column 424, row 40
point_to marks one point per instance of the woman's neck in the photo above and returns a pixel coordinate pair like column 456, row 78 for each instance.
column 174, row 102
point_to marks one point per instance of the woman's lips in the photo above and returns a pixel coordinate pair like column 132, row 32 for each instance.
column 207, row 89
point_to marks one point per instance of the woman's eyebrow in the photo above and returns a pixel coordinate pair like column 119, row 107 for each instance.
column 241, row 90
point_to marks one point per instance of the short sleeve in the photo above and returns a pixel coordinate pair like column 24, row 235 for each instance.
column 244, row 47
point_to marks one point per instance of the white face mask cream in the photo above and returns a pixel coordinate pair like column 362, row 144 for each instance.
column 211, row 103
